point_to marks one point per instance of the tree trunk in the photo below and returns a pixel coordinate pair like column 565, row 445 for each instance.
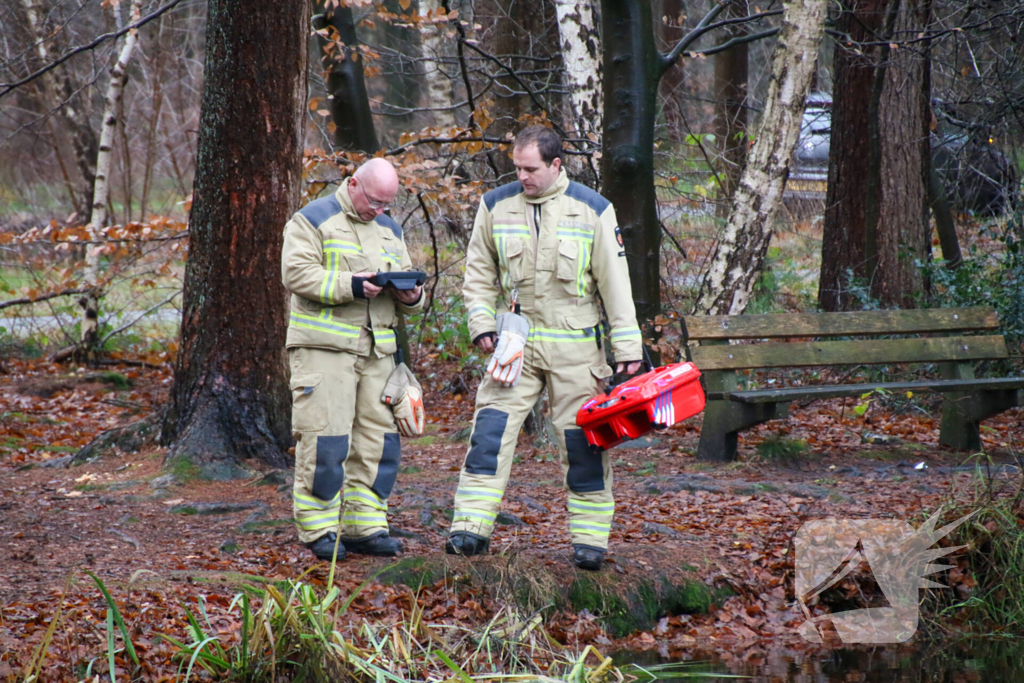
column 671, row 86
column 903, row 228
column 403, row 73
column 844, row 238
column 350, row 107
column 581, row 55
column 101, row 190
column 739, row 254
column 58, row 91
column 876, row 215
column 730, row 109
column 632, row 67
column 230, row 398
column 434, row 48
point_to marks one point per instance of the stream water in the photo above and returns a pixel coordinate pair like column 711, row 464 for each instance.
column 967, row 661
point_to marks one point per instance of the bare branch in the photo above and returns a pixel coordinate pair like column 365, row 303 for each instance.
column 124, row 327
column 705, row 27
column 6, row 88
column 739, row 40
column 43, row 297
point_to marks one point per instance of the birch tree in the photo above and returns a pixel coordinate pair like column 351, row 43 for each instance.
column 581, row 55
column 739, row 255
column 101, row 190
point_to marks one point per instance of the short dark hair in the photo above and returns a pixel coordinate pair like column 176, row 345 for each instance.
column 548, row 142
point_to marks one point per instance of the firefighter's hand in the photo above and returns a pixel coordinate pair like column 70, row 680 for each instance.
column 409, row 296
column 628, row 368
column 370, row 290
column 486, row 343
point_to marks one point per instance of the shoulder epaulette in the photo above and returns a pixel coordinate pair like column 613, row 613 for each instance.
column 319, row 210
column 587, row 196
column 389, row 222
column 504, row 192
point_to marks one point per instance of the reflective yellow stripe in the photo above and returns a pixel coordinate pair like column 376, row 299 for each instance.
column 367, row 496
column 364, row 519
column 303, row 502
column 310, row 322
column 474, row 515
column 481, row 493
column 575, row 234
column 595, row 528
column 482, row 308
column 626, row 333
column 318, row 521
column 576, row 505
column 383, row 336
column 341, row 247
column 511, row 230
column 558, row 336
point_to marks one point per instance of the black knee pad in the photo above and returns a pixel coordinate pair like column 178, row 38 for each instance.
column 586, row 473
column 485, row 442
column 329, row 474
column 387, row 470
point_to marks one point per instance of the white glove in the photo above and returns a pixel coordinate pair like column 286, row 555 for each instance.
column 506, row 364
column 405, row 396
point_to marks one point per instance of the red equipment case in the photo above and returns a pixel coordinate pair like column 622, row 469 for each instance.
column 654, row 400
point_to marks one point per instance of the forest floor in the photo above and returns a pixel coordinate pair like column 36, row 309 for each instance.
column 160, row 539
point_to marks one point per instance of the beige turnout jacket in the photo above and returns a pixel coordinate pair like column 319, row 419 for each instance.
column 325, row 242
column 558, row 252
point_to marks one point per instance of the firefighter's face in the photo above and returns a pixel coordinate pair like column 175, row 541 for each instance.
column 533, row 173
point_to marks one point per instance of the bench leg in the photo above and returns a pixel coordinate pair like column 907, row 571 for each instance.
column 724, row 420
column 962, row 414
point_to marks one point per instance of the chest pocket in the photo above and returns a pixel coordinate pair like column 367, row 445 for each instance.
column 575, row 239
column 391, row 255
column 342, row 252
column 510, row 258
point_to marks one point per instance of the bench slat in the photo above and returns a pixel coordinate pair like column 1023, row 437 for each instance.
column 780, row 325
column 837, row 391
column 861, row 352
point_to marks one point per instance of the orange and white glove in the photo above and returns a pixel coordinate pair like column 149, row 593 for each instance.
column 506, row 364
column 405, row 396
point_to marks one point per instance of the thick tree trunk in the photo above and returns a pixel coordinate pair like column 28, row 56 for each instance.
column 844, row 237
column 230, row 398
column 739, row 254
column 903, row 227
column 876, row 215
column 632, row 67
column 730, row 109
column 350, row 107
column 403, row 74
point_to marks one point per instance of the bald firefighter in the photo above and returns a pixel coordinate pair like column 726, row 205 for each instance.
column 553, row 247
column 340, row 349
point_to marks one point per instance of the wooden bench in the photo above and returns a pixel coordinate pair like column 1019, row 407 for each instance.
column 936, row 337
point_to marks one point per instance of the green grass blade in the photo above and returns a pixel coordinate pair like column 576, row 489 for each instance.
column 116, row 614
column 456, row 669
column 110, row 645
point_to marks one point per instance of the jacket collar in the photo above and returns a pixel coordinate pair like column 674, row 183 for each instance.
column 341, row 194
column 556, row 189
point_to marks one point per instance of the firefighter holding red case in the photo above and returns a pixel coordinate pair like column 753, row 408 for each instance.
column 543, row 250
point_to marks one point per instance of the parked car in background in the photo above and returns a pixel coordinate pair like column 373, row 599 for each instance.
column 976, row 175
column 808, row 174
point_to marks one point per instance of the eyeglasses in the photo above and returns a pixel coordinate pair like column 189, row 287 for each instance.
column 372, row 203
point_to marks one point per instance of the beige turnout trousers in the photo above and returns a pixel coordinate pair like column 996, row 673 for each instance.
column 346, row 440
column 500, row 413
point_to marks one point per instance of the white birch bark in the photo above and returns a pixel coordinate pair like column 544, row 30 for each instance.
column 739, row 255
column 581, row 55
column 435, row 47
column 101, row 190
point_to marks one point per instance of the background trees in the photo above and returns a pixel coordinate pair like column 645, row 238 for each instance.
column 657, row 101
